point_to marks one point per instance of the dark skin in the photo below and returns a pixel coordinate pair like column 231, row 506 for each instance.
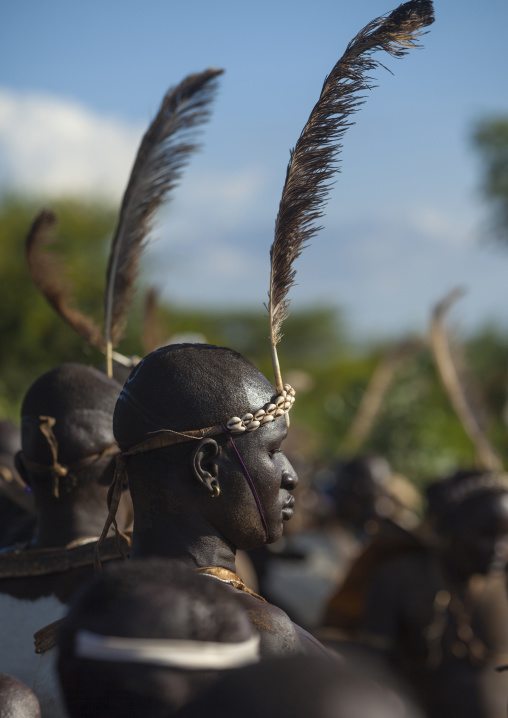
column 78, row 514
column 16, row 699
column 187, row 524
column 76, row 403
column 479, row 541
column 432, row 646
column 79, row 402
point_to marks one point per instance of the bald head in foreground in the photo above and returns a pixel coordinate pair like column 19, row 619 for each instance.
column 143, row 639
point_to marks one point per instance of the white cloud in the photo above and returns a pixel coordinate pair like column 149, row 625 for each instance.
column 387, row 266
column 442, row 226
column 49, row 145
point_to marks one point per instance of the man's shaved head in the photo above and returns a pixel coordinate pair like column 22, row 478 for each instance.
column 154, row 599
column 185, row 387
column 16, row 699
column 81, row 400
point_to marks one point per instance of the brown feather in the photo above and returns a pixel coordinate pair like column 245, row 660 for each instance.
column 163, row 153
column 48, row 272
column 313, row 161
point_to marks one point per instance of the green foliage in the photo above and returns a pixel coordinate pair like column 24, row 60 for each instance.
column 416, row 429
column 490, row 138
column 33, row 338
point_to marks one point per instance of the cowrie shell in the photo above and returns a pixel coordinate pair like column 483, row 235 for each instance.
column 279, row 412
column 237, row 429
column 287, row 405
column 267, row 419
column 247, row 418
column 232, row 422
column 279, row 400
column 270, row 408
column 253, row 425
column 259, row 414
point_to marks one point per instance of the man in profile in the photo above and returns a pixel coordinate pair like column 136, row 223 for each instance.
column 200, row 430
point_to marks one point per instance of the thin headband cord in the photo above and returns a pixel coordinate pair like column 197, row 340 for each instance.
column 163, row 438
column 58, row 470
column 251, row 483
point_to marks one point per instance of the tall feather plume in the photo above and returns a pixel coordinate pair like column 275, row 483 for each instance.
column 163, row 153
column 313, row 161
column 47, row 272
column 450, row 378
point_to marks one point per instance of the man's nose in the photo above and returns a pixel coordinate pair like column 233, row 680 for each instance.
column 289, row 479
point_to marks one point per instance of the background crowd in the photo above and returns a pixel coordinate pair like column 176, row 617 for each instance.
column 386, row 595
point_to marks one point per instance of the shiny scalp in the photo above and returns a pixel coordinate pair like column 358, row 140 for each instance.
column 16, row 699
column 184, row 387
column 82, row 400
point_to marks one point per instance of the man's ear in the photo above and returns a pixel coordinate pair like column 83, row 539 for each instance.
column 21, row 468
column 205, row 466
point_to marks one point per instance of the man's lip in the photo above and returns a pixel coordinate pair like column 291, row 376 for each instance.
column 287, row 513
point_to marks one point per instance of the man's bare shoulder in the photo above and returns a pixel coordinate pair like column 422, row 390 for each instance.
column 277, row 631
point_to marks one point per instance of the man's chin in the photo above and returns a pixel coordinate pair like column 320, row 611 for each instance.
column 275, row 533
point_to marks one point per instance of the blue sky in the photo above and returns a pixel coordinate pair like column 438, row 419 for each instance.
column 79, row 83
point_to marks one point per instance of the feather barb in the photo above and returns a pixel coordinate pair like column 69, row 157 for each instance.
column 164, row 152
column 47, row 271
column 314, row 159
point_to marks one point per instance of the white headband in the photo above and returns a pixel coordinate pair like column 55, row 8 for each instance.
column 190, row 655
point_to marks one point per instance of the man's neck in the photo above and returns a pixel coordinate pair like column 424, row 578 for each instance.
column 58, row 526
column 184, row 541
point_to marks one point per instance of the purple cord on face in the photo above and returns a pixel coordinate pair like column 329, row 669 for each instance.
column 251, row 483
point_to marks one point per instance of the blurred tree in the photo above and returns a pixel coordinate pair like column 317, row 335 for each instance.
column 33, row 338
column 416, row 428
column 490, row 138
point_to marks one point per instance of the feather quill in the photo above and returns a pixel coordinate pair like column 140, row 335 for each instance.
column 47, row 272
column 162, row 155
column 451, row 380
column 313, row 161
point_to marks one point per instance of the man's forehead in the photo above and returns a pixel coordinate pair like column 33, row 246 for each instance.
column 273, row 433
column 257, row 388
